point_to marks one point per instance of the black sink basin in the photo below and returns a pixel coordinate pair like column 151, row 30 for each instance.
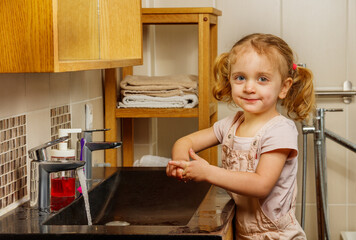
column 137, row 196
column 155, row 206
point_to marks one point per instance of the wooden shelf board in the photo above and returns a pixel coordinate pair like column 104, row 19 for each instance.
column 177, row 15
column 156, row 112
column 170, row 19
column 79, row 65
column 207, row 10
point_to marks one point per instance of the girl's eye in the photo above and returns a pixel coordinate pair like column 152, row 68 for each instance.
column 262, row 79
column 239, row 78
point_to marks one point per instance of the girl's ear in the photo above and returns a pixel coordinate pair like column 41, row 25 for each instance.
column 286, row 85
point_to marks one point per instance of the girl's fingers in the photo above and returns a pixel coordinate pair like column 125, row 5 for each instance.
column 180, row 173
column 179, row 167
column 170, row 170
column 193, row 154
column 180, row 164
column 174, row 172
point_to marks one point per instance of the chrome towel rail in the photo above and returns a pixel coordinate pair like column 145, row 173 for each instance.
column 340, row 140
column 346, row 93
column 335, row 93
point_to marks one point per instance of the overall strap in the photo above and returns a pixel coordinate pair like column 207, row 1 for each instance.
column 228, row 139
column 256, row 143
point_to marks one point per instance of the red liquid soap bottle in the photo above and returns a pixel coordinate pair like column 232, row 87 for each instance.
column 63, row 183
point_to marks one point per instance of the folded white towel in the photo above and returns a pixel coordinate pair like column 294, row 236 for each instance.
column 159, row 93
column 143, row 101
column 151, row 161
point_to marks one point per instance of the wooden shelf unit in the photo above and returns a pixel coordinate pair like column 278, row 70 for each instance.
column 206, row 112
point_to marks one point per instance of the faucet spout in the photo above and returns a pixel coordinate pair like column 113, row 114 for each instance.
column 93, row 146
column 87, row 146
column 63, row 165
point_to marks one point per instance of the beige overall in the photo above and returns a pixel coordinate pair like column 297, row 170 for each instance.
column 251, row 222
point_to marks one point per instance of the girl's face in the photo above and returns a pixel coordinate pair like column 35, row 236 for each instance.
column 256, row 82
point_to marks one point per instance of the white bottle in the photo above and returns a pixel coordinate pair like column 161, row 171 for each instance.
column 63, row 183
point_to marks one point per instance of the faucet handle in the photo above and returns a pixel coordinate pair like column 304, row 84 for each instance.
column 39, row 153
column 334, row 110
column 96, row 130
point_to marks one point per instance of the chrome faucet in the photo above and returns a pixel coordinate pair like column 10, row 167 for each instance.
column 87, row 146
column 40, row 170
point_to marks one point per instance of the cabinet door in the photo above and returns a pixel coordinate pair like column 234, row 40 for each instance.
column 120, row 29
column 78, row 30
column 99, row 29
column 26, row 34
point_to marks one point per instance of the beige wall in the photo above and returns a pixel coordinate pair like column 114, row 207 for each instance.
column 34, row 94
column 321, row 32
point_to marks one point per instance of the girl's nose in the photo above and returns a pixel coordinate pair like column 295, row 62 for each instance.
column 249, row 87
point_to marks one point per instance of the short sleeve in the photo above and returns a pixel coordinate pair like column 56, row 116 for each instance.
column 222, row 126
column 282, row 135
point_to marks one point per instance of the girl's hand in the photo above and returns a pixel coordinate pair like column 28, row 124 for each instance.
column 196, row 170
column 174, row 171
column 199, row 140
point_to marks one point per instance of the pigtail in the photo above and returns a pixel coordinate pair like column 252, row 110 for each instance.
column 222, row 88
column 300, row 100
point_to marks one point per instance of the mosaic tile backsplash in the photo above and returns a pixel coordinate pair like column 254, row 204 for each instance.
column 13, row 168
column 60, row 118
column 13, row 153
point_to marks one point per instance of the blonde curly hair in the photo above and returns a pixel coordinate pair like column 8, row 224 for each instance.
column 300, row 99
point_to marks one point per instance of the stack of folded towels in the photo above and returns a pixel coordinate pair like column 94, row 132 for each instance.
column 178, row 91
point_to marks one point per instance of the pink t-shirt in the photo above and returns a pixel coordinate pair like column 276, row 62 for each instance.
column 281, row 135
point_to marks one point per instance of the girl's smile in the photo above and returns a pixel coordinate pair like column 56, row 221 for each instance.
column 250, row 100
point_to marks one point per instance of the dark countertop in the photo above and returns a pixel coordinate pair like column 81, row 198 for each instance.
column 211, row 220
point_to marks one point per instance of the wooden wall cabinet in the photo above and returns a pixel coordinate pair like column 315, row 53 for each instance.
column 69, row 35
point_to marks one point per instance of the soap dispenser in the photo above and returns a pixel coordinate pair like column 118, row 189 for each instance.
column 63, row 183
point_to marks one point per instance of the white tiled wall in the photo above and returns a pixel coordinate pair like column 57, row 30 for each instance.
column 323, row 35
column 317, row 31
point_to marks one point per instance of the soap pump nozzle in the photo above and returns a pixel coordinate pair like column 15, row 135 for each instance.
column 62, row 132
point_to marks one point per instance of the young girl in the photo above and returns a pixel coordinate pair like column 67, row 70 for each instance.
column 259, row 145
